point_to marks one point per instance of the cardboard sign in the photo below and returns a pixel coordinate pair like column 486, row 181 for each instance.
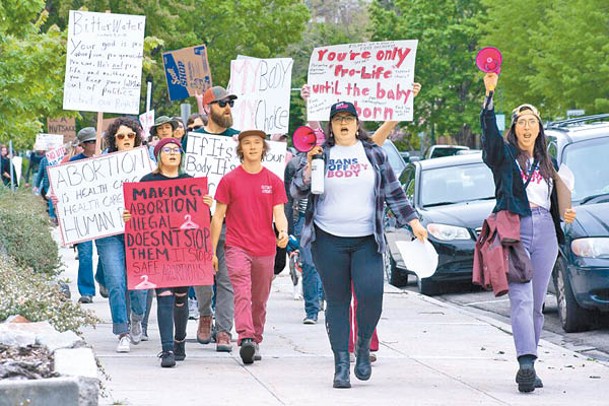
column 213, row 156
column 65, row 126
column 147, row 121
column 168, row 239
column 104, row 62
column 55, row 156
column 377, row 77
column 187, row 72
column 90, row 193
column 262, row 87
column 47, row 142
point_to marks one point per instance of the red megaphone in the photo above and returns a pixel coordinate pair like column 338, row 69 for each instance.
column 304, row 138
column 489, row 60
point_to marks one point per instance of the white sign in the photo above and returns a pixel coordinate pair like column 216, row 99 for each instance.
column 90, row 193
column 47, row 142
column 55, row 156
column 262, row 87
column 377, row 77
column 104, row 62
column 216, row 155
column 147, row 121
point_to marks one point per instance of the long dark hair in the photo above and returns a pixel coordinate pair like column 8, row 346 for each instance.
column 127, row 122
column 360, row 134
column 540, row 150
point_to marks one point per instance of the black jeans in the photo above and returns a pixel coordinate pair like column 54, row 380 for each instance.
column 340, row 262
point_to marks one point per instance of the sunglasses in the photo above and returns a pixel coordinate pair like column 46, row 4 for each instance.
column 169, row 150
column 223, row 103
column 194, row 127
column 122, row 136
column 89, row 142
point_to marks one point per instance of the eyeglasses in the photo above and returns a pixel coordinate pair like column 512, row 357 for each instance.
column 343, row 119
column 169, row 150
column 531, row 122
column 122, row 136
column 195, row 127
column 223, row 103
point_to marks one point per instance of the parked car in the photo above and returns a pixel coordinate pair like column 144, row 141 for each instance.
column 437, row 151
column 395, row 159
column 452, row 196
column 581, row 272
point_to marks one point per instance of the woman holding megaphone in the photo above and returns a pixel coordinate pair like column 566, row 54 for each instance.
column 344, row 227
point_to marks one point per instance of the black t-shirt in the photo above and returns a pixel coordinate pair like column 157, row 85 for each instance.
column 158, row 176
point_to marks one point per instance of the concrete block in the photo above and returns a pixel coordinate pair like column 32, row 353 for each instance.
column 40, row 392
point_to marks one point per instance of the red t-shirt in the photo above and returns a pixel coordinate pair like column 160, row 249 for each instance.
column 249, row 216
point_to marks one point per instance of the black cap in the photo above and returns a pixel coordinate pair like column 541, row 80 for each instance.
column 343, row 107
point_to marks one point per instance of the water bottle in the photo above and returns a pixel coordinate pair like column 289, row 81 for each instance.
column 317, row 174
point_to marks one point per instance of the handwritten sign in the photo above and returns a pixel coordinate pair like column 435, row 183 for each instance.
column 147, row 121
column 213, row 156
column 104, row 62
column 377, row 77
column 65, row 126
column 47, row 142
column 90, row 193
column 55, row 156
column 262, row 87
column 187, row 72
column 168, row 239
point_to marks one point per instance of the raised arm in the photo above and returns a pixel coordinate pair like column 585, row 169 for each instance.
column 380, row 135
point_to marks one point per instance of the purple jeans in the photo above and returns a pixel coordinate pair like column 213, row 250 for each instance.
column 538, row 235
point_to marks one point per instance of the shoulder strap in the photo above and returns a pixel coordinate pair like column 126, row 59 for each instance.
column 531, row 171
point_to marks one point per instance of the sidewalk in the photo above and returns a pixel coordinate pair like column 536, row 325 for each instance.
column 431, row 354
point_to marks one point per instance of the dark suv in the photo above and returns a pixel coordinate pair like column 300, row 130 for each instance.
column 581, row 272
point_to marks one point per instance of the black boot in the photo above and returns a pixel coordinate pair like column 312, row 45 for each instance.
column 341, row 370
column 362, row 369
column 526, row 377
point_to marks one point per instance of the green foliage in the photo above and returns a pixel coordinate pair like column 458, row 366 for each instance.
column 25, row 235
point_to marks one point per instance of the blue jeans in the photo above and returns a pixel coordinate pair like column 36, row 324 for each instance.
column 111, row 251
column 312, row 290
column 86, row 284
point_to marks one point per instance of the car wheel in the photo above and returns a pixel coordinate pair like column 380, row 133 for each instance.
column 395, row 276
column 573, row 317
column 428, row 287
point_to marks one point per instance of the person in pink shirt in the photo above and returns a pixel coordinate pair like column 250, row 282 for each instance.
column 248, row 199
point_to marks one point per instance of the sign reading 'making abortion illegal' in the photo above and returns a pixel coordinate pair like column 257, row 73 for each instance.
column 168, row 239
column 90, row 193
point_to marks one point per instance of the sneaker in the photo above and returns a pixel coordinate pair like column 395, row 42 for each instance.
column 124, row 343
column 85, row 299
column 168, row 360
column 136, row 330
column 204, row 330
column 103, row 291
column 257, row 355
column 145, row 334
column 525, row 378
column 309, row 320
column 193, row 309
column 247, row 351
column 179, row 349
column 223, row 342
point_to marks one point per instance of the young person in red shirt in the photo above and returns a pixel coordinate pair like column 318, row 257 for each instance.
column 250, row 197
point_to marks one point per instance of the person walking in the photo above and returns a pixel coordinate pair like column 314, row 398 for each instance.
column 347, row 240
column 250, row 198
column 525, row 179
column 172, row 303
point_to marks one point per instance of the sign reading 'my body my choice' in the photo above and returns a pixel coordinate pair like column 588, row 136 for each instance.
column 90, row 193
column 262, row 87
column 377, row 77
column 168, row 239
column 104, row 62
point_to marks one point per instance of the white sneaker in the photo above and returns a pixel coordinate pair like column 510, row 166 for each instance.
column 193, row 309
column 136, row 331
column 124, row 344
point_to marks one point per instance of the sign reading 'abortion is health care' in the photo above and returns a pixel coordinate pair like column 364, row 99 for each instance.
column 377, row 77
column 104, row 62
column 90, row 193
column 168, row 239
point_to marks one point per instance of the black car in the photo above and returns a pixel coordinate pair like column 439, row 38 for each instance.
column 452, row 196
column 581, row 272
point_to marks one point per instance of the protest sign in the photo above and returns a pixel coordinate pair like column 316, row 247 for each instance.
column 47, row 142
column 168, row 239
column 65, row 126
column 147, row 121
column 90, row 193
column 187, row 72
column 213, row 156
column 262, row 87
column 377, row 77
column 55, row 156
column 104, row 62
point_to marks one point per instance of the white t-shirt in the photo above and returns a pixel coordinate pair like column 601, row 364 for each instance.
column 538, row 191
column 347, row 206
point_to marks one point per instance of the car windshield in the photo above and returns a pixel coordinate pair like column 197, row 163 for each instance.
column 587, row 160
column 456, row 184
column 395, row 159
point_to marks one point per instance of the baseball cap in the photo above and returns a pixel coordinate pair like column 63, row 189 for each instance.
column 216, row 93
column 247, row 133
column 343, row 107
column 86, row 134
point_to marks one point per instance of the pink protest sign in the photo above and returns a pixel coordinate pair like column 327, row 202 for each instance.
column 377, row 77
